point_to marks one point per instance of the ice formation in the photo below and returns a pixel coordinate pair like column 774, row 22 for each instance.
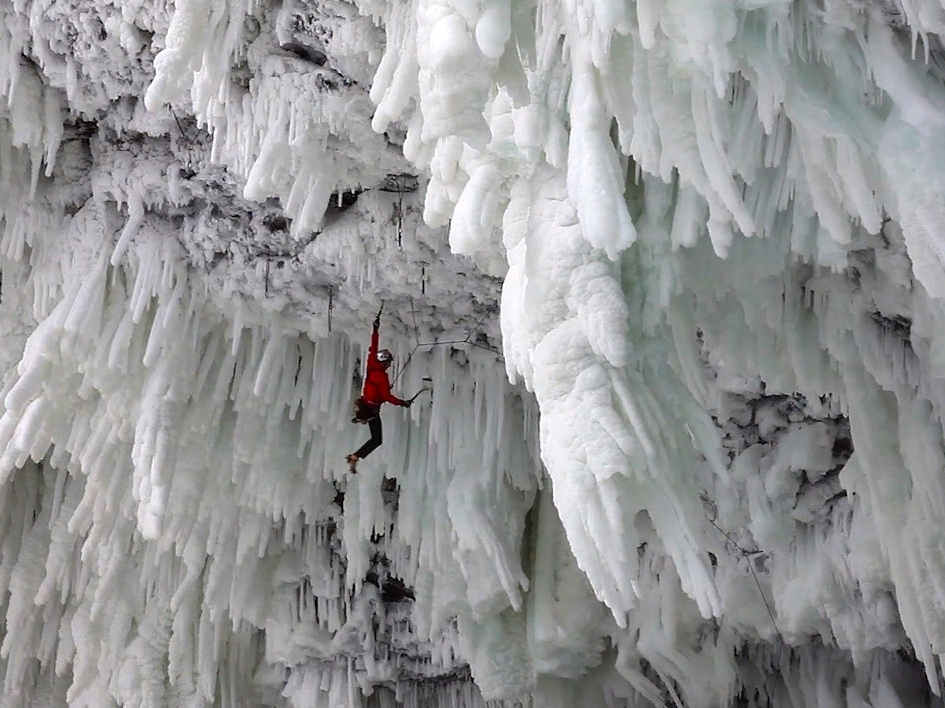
column 674, row 270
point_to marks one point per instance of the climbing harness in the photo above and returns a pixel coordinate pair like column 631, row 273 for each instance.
column 363, row 412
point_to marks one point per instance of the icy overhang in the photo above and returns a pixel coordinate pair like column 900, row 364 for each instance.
column 701, row 240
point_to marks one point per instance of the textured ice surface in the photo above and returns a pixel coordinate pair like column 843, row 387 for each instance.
column 675, row 270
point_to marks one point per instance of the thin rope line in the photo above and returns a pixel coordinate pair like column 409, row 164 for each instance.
column 747, row 555
column 416, row 330
column 436, row 343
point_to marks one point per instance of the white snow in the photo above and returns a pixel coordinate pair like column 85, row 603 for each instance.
column 675, row 271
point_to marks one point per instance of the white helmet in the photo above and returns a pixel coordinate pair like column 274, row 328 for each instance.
column 384, row 356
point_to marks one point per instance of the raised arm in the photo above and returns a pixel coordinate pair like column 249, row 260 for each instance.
column 375, row 340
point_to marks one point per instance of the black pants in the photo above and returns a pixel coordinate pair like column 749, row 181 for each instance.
column 374, row 425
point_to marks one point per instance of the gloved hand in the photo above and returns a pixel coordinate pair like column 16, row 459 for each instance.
column 377, row 322
column 408, row 403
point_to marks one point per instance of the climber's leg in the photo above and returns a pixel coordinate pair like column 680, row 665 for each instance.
column 374, row 424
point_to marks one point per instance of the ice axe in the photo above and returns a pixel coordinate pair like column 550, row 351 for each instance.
column 427, row 386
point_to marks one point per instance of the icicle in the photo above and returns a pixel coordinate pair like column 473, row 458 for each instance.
column 175, row 64
column 595, row 182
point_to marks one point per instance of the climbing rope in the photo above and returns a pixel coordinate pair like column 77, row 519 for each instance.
column 331, row 305
column 438, row 342
column 416, row 330
column 746, row 554
column 179, row 126
column 400, row 220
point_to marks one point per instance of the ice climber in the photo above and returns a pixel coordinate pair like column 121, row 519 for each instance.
column 367, row 409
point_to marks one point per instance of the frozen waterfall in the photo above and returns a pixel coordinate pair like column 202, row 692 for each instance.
column 675, row 270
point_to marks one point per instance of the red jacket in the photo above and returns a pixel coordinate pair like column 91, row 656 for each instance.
column 376, row 384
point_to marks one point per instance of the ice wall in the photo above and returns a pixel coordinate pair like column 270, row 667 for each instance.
column 681, row 183
column 673, row 270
